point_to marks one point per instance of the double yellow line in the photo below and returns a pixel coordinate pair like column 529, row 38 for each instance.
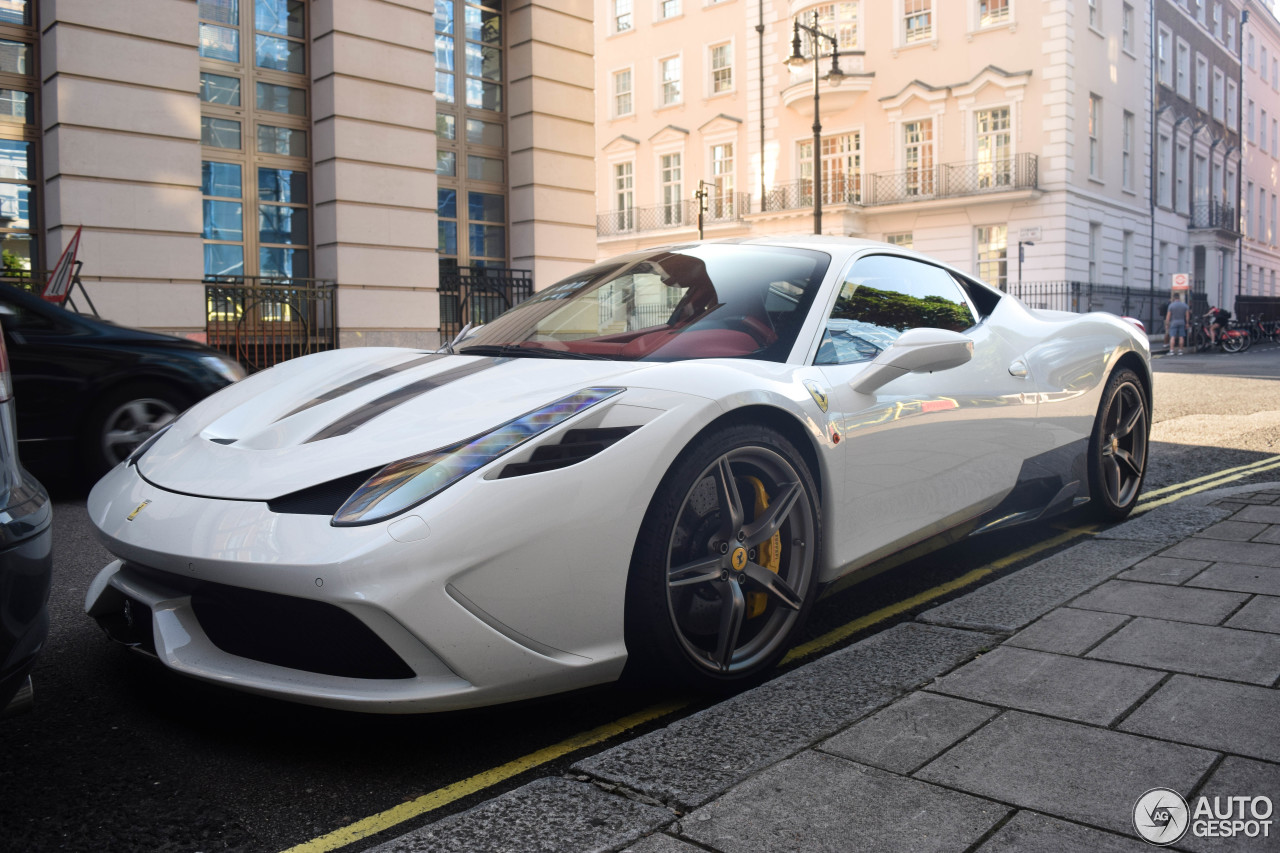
column 450, row 793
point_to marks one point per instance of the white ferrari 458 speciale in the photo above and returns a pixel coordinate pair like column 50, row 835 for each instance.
column 655, row 464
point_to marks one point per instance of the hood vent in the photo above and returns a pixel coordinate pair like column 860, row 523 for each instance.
column 324, row 499
column 576, row 446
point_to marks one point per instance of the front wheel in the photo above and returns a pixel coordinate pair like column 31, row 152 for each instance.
column 1118, row 447
column 724, row 571
column 124, row 419
column 1234, row 342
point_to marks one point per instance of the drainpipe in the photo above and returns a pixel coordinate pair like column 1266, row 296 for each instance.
column 1151, row 165
column 760, row 40
column 1244, row 154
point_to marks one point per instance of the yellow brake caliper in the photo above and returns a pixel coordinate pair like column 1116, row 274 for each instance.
column 770, row 555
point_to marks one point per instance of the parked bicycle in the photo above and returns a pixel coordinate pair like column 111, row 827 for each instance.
column 1232, row 339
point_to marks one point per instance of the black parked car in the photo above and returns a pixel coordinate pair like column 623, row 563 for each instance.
column 92, row 391
column 26, row 560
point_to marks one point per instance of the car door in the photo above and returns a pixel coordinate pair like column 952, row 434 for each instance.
column 924, row 452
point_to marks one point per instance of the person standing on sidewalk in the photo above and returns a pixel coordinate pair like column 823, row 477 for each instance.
column 1175, row 320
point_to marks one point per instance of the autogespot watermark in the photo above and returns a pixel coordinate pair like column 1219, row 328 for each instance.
column 1161, row 816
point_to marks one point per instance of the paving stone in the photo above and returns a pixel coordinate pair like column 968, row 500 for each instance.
column 693, row 759
column 1178, row 603
column 545, row 815
column 1024, row 596
column 1232, row 506
column 1235, row 531
column 1262, row 613
column 1238, row 777
column 1260, row 514
column 1168, row 524
column 1271, row 535
column 909, row 732
column 1196, row 649
column 1164, row 570
column 1262, row 580
column 662, row 843
column 1237, row 718
column 1066, row 769
column 1067, row 631
column 1085, row 690
column 1030, row 832
column 1218, row 551
column 816, row 803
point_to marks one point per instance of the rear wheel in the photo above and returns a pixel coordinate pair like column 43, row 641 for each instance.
column 1118, row 447
column 725, row 568
column 1234, row 342
column 124, row 419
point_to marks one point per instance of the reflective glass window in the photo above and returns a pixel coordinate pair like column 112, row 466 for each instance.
column 221, row 11
column 483, row 61
column 483, row 95
column 15, row 205
column 285, row 141
column 282, row 17
column 483, row 25
column 16, row 12
column 15, row 57
column 447, row 203
column 280, row 54
column 485, row 169
column 13, row 159
column 281, row 99
column 278, row 224
column 446, row 126
column 484, row 133
column 448, row 235
column 14, row 106
column 486, row 207
column 444, row 16
column 221, row 179
column 488, row 240
column 219, row 43
column 444, row 88
column 223, row 259
column 288, row 186
column 219, row 89
column 444, row 52
column 446, row 163
column 219, row 132
column 223, row 220
column 284, row 263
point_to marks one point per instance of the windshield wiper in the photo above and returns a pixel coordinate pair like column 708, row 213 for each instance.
column 524, row 352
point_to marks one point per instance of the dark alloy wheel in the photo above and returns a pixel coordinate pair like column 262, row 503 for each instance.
column 1118, row 447
column 725, row 568
column 124, row 419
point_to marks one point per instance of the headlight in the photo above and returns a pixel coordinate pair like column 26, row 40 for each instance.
column 224, row 367
column 407, row 483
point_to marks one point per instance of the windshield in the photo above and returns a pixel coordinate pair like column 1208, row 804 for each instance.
column 716, row 300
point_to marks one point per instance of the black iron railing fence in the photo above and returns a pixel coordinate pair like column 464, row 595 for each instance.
column 1214, row 214
column 729, row 207
column 1131, row 301
column 836, row 189
column 261, row 321
column 478, row 294
column 952, row 180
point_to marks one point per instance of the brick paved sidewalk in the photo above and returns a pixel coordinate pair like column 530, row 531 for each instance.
column 1028, row 715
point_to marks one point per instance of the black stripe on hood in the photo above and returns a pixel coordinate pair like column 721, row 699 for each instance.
column 385, row 403
column 355, row 384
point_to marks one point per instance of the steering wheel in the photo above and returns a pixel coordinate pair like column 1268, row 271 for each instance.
column 759, row 330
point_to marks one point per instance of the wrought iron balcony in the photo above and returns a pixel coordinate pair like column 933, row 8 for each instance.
column 729, row 207
column 795, row 195
column 478, row 295
column 264, row 321
column 954, row 180
column 1214, row 214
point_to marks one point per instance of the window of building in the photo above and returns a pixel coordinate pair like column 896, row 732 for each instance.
column 669, row 73
column 622, row 105
column 1184, row 69
column 1275, row 139
column 1249, row 55
column 1273, row 219
column 1126, row 151
column 1231, row 34
column 918, row 156
column 1200, row 11
column 993, row 255
column 1233, row 95
column 1200, row 178
column 1180, row 167
column 1095, row 15
column 1262, row 66
column 1217, row 21
column 1245, row 220
column 255, row 126
column 1126, row 27
column 670, row 170
column 1164, row 55
column 902, row 240
column 1262, row 131
column 841, row 167
column 723, row 202
column 840, row 20
column 19, row 141
column 1095, row 247
column 1163, row 151
column 1095, row 136
column 917, row 17
column 994, row 148
column 624, row 195
column 1248, row 122
column 1275, row 74
column 623, row 19
column 1219, row 93
column 1262, row 214
column 1202, row 82
column 668, row 8
column 992, row 12
column 472, row 208
column 721, row 68
column 1126, row 257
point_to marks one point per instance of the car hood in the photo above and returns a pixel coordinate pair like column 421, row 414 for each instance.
column 330, row 415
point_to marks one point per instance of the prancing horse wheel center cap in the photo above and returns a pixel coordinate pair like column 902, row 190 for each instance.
column 739, row 559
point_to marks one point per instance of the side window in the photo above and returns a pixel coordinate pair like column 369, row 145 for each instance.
column 885, row 296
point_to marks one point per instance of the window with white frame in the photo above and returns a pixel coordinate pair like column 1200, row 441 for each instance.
column 1163, row 152
column 1232, row 96
column 1248, row 121
column 1180, row 178
column 1262, row 131
column 903, row 239
column 670, row 170
column 840, row 20
column 994, row 148
column 1231, row 34
column 992, row 12
column 1249, row 55
column 1164, row 55
column 1126, row 151
column 917, row 20
column 624, row 195
column 992, row 262
column 1217, row 21
column 622, row 16
column 668, row 8
column 1095, row 136
column 1219, row 93
column 1229, row 188
column 1200, row 178
column 721, row 205
column 841, row 167
column 917, row 138
column 1184, row 69
column 1262, row 65
column 1126, row 27
column 1095, row 15
column 721, row 68
column 669, row 77
column 1202, row 82
column 1245, row 220
column 1275, row 74
column 622, row 103
column 1200, row 11
column 1262, row 214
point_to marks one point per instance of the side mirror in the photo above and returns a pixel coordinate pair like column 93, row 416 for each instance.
column 916, row 351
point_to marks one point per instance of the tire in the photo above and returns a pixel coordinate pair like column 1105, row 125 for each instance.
column 1197, row 340
column 1234, row 343
column 123, row 419
column 1118, row 447
column 711, row 603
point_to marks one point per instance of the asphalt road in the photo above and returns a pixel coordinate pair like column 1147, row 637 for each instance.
column 121, row 755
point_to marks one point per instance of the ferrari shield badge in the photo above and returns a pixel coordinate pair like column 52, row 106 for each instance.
column 815, row 391
column 139, row 509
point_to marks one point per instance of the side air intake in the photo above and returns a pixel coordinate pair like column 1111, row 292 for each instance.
column 576, row 446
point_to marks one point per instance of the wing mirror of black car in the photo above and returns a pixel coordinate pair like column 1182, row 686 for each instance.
column 916, row 351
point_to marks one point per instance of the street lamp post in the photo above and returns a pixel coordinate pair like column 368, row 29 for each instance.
column 701, row 196
column 799, row 60
column 1021, row 255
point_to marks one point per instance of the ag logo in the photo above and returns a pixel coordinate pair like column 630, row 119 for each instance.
column 139, row 509
column 815, row 391
column 1161, row 816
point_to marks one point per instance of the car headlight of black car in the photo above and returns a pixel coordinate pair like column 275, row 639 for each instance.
column 230, row 370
